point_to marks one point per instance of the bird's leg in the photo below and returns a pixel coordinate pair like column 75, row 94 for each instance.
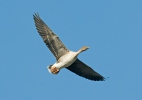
column 54, row 70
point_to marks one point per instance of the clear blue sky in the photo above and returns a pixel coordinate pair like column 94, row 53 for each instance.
column 111, row 28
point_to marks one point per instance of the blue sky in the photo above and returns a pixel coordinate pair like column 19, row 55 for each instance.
column 112, row 29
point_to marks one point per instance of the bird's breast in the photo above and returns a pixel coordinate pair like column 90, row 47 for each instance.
column 66, row 60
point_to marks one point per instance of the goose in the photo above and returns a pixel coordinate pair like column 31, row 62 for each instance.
column 64, row 58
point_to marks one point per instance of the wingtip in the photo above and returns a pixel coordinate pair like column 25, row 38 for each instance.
column 35, row 15
column 104, row 79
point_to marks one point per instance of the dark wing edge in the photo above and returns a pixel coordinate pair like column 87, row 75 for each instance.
column 51, row 40
column 81, row 69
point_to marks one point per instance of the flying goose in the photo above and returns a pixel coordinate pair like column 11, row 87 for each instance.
column 65, row 58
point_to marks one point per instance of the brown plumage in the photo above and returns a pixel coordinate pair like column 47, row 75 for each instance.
column 58, row 49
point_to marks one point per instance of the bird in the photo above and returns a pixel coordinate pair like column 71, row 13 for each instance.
column 65, row 58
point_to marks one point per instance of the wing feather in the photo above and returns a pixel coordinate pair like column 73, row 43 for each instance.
column 81, row 69
column 51, row 40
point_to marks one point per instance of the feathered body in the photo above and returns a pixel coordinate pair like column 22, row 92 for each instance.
column 64, row 58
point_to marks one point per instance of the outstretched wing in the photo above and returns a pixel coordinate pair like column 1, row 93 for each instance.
column 50, row 39
column 81, row 69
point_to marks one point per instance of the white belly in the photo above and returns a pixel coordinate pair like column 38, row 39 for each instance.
column 66, row 60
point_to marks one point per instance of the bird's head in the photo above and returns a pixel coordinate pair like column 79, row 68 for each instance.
column 53, row 70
